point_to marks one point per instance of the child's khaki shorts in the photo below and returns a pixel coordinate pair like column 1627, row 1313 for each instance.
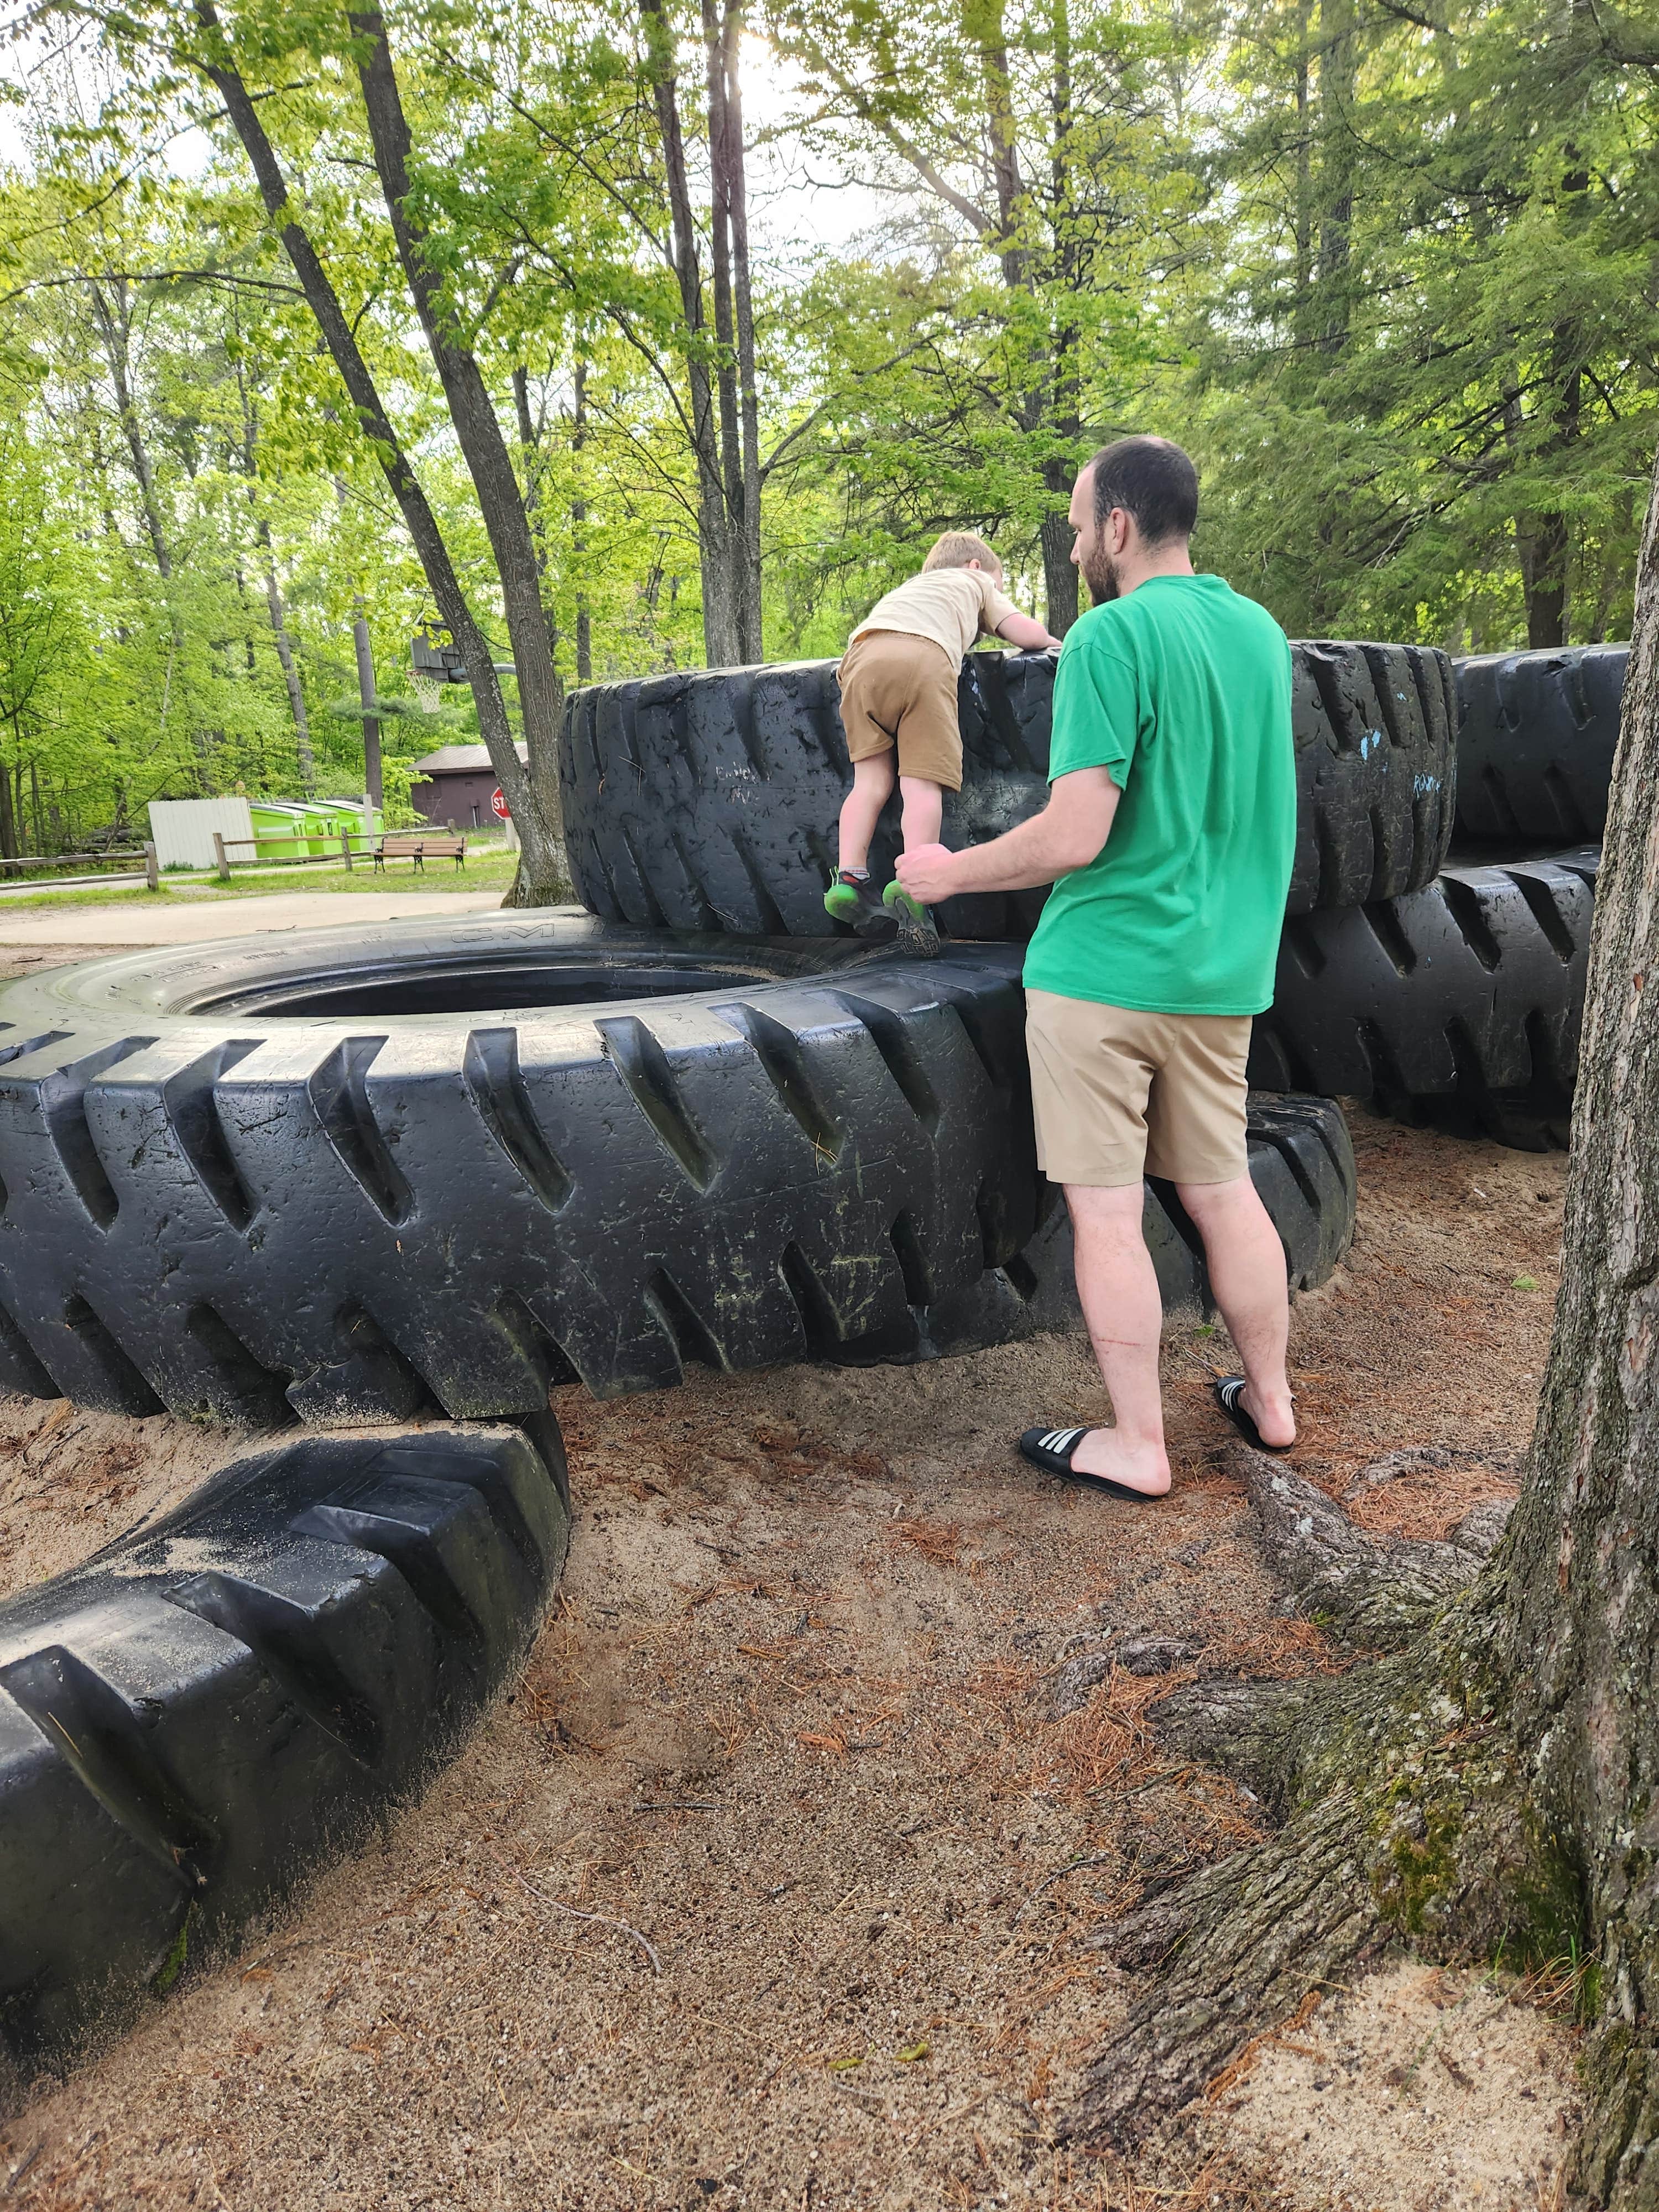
column 896, row 690
column 1119, row 1094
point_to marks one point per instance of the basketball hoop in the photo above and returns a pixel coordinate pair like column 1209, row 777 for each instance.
column 428, row 690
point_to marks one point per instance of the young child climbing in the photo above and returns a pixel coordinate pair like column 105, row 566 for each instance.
column 898, row 691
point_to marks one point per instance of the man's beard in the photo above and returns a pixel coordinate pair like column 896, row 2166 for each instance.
column 1102, row 575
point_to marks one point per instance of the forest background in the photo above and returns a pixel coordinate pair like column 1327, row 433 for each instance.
column 734, row 311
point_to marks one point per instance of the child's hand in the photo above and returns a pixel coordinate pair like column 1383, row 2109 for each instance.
column 928, row 873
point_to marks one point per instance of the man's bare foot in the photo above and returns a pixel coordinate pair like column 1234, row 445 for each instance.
column 1275, row 1422
column 1142, row 1467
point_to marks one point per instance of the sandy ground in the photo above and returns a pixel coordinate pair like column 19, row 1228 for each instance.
column 85, row 931
column 792, row 1742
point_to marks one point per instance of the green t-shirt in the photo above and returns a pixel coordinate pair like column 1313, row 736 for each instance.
column 1182, row 691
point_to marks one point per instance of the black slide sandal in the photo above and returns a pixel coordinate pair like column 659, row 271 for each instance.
column 1051, row 1449
column 1229, row 1391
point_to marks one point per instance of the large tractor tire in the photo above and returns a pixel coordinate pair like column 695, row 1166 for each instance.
column 219, row 1704
column 1535, row 744
column 444, row 1165
column 707, row 800
column 1303, row 1166
column 1461, row 1002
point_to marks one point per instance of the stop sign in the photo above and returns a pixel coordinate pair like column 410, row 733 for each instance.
column 498, row 806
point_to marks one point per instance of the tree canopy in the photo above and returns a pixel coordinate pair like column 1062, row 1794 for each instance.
column 541, row 319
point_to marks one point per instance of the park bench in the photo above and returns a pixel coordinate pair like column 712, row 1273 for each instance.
column 417, row 847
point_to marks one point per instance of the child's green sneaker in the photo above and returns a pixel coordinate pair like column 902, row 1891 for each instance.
column 852, row 899
column 899, row 902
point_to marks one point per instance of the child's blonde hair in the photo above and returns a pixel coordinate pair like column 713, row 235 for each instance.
column 959, row 548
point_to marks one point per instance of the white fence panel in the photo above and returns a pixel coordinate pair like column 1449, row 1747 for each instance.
column 183, row 829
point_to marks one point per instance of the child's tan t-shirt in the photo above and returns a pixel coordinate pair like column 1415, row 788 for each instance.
column 950, row 606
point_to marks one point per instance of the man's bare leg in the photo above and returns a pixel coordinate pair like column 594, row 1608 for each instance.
column 1247, row 1278
column 1118, row 1288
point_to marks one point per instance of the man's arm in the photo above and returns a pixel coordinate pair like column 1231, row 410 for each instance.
column 1068, row 834
column 1025, row 631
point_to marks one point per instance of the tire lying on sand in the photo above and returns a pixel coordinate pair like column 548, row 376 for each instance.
column 707, row 800
column 446, row 1165
column 1462, row 1002
column 327, row 1173
column 213, row 1707
column 1535, row 743
column 1303, row 1166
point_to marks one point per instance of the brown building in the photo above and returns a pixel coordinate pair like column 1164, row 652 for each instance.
column 457, row 788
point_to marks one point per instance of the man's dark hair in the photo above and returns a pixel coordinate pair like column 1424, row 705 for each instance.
column 1152, row 479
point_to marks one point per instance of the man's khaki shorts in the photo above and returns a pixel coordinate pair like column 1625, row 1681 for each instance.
column 896, row 690
column 1119, row 1094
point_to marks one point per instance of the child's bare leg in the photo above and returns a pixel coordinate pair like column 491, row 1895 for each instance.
column 873, row 787
column 924, row 811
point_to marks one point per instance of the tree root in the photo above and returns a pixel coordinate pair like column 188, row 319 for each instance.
column 1406, row 1813
column 1378, row 1592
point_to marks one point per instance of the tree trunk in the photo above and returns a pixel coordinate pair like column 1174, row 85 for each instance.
column 1495, row 1781
column 364, row 652
column 1336, row 93
column 296, row 698
column 110, row 313
column 473, row 411
column 1581, row 1623
column 539, row 877
column 1059, row 569
column 722, row 646
column 579, row 529
column 1549, row 544
column 750, row 610
column 8, row 845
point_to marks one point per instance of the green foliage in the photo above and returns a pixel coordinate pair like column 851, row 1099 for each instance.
column 1387, row 271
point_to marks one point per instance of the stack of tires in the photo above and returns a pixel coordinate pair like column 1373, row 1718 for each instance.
column 1431, row 991
column 1460, row 1001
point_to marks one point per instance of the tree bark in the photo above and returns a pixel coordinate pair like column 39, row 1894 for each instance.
column 722, row 647
column 110, row 314
column 1060, row 578
column 579, row 528
column 538, row 878
column 363, row 651
column 734, row 322
column 296, row 698
column 473, row 411
column 1582, row 1618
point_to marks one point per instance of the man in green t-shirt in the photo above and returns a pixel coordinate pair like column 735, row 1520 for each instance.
column 1169, row 837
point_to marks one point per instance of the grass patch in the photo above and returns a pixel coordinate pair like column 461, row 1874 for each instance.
column 489, row 871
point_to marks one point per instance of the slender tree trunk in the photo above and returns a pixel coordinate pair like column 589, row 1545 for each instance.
column 722, row 647
column 579, row 529
column 8, row 845
column 539, row 876
column 1336, row 92
column 296, row 698
column 734, row 327
column 473, row 411
column 110, row 313
column 736, row 188
column 532, row 462
column 1549, row 541
column 1059, row 570
column 363, row 650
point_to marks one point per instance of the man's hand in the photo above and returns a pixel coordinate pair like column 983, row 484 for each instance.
column 928, row 873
